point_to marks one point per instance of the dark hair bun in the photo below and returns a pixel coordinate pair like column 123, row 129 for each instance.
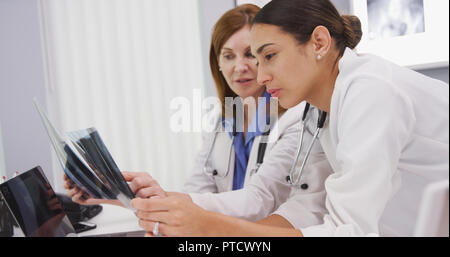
column 352, row 30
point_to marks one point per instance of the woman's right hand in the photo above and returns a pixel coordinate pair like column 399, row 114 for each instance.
column 143, row 185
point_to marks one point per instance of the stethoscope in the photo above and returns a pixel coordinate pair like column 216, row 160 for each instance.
column 259, row 159
column 320, row 123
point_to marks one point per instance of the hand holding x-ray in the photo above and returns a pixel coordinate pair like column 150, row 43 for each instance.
column 140, row 183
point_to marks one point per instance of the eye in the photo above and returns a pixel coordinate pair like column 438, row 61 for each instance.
column 269, row 56
column 228, row 56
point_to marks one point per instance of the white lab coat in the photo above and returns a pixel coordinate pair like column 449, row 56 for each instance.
column 219, row 160
column 385, row 120
column 199, row 182
column 268, row 189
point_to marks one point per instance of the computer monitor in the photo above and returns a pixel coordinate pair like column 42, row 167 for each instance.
column 35, row 206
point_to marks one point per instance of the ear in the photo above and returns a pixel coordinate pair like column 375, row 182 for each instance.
column 321, row 40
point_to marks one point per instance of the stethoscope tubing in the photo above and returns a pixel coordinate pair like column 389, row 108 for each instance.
column 261, row 152
column 320, row 123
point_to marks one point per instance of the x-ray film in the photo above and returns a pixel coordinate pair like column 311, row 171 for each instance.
column 87, row 162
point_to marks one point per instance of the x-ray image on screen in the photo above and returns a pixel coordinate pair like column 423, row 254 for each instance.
column 393, row 18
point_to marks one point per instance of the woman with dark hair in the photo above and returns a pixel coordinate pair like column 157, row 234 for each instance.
column 246, row 160
column 375, row 119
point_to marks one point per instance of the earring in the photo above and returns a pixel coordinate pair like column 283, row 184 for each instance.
column 319, row 57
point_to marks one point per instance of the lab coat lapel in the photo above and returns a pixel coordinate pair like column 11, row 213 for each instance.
column 328, row 145
column 251, row 164
column 220, row 157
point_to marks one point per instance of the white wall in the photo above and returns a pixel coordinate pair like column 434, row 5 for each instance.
column 2, row 159
column 343, row 6
column 21, row 78
column 118, row 66
column 210, row 11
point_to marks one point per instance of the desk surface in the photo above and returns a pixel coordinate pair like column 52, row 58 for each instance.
column 114, row 221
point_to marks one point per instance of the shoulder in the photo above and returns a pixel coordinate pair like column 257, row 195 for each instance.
column 355, row 67
column 355, row 64
column 368, row 77
column 287, row 123
column 291, row 117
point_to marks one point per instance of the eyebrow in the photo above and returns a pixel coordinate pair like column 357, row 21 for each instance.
column 261, row 48
column 229, row 49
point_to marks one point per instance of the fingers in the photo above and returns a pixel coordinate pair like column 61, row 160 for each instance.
column 73, row 191
column 76, row 194
column 150, row 225
column 150, row 192
column 152, row 204
column 79, row 196
column 143, row 185
column 164, row 210
column 129, row 176
column 143, row 182
column 68, row 184
column 163, row 217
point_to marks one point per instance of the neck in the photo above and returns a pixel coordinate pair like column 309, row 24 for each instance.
column 321, row 96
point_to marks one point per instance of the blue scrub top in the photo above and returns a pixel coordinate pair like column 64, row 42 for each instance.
column 243, row 148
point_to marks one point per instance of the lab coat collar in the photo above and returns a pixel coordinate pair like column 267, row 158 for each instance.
column 345, row 63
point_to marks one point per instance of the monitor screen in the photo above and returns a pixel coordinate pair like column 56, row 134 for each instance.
column 35, row 205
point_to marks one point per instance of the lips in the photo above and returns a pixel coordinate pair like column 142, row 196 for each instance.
column 274, row 92
column 244, row 81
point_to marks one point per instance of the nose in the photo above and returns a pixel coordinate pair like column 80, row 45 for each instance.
column 241, row 65
column 263, row 78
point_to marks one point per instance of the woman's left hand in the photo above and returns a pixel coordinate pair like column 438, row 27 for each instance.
column 177, row 215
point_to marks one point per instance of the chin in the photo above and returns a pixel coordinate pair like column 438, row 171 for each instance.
column 287, row 103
